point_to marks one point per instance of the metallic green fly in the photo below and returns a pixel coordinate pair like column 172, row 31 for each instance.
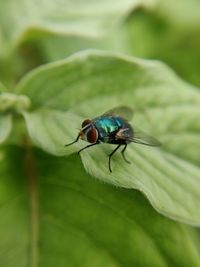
column 113, row 128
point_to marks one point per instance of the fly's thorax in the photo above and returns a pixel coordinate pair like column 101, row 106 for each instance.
column 105, row 125
column 88, row 132
column 113, row 129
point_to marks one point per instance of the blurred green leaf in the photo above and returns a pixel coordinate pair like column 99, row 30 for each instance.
column 5, row 126
column 14, row 210
column 66, row 217
column 29, row 29
column 9, row 101
column 181, row 14
column 2, row 88
column 56, row 47
column 5, row 119
column 85, row 18
column 169, row 33
column 91, row 83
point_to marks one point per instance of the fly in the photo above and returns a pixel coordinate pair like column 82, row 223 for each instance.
column 113, row 128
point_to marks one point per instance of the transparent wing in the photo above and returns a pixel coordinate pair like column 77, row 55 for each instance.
column 122, row 111
column 141, row 137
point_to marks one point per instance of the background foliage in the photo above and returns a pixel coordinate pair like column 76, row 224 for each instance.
column 63, row 61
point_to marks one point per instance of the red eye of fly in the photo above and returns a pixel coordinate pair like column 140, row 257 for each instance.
column 92, row 135
column 85, row 122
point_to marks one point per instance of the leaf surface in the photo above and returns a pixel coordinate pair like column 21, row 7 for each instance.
column 5, row 127
column 87, row 85
column 28, row 19
column 64, row 216
column 5, row 119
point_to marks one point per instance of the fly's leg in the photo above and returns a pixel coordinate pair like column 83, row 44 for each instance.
column 87, row 147
column 110, row 155
column 74, row 141
column 123, row 155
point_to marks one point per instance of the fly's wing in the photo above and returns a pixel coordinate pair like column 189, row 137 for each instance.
column 121, row 111
column 141, row 137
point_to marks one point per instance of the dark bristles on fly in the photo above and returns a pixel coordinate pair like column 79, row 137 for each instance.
column 113, row 128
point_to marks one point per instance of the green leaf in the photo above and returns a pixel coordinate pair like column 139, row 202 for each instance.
column 5, row 127
column 57, row 47
column 85, row 18
column 50, row 129
column 91, row 83
column 68, row 218
column 10, row 104
column 169, row 33
column 2, row 88
column 184, row 14
column 9, row 101
column 5, row 119
column 83, row 76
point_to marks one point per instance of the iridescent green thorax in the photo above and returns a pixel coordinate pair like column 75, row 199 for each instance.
column 108, row 126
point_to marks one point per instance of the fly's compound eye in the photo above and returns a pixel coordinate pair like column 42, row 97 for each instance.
column 86, row 122
column 92, row 135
